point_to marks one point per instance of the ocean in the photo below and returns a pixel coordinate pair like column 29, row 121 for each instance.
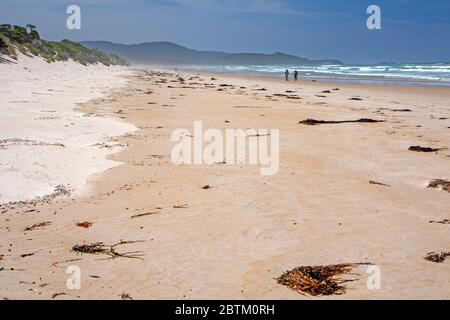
column 411, row 74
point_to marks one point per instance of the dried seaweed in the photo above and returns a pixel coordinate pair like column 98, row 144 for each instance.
column 318, row 280
column 110, row 250
column 58, row 294
column 423, row 149
column 313, row 122
column 440, row 183
column 125, row 296
column 437, row 257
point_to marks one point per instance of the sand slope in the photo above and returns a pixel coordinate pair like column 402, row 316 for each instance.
column 44, row 141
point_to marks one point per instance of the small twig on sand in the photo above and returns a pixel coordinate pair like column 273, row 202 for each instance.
column 38, row 225
column 444, row 221
column 144, row 214
column 126, row 296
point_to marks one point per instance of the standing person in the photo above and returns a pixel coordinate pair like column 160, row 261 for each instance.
column 296, row 75
column 286, row 74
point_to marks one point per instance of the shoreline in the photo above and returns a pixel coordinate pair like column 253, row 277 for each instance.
column 378, row 81
column 232, row 240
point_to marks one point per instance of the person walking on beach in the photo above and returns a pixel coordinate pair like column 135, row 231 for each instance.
column 286, row 74
column 295, row 75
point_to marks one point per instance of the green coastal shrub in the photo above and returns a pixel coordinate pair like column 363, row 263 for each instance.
column 28, row 42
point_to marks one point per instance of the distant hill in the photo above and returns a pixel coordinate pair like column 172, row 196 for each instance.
column 167, row 53
column 27, row 41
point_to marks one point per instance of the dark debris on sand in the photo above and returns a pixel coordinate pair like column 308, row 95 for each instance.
column 444, row 221
column 59, row 191
column 440, row 183
column 378, row 183
column 84, row 224
column 110, row 250
column 125, row 296
column 423, row 149
column 437, row 257
column 144, row 214
column 313, row 122
column 318, row 280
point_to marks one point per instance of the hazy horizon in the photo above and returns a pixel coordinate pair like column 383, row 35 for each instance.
column 256, row 52
column 321, row 29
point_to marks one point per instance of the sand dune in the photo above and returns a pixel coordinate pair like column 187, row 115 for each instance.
column 45, row 142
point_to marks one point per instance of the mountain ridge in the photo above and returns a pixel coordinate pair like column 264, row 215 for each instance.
column 165, row 52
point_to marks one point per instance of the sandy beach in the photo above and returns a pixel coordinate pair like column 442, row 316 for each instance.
column 44, row 142
column 349, row 192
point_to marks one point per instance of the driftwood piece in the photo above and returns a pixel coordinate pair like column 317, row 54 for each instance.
column 313, row 122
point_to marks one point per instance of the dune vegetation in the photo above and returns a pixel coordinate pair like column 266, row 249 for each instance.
column 28, row 41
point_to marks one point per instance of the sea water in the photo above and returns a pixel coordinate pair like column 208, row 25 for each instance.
column 432, row 74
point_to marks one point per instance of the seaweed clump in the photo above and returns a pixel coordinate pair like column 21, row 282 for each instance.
column 318, row 280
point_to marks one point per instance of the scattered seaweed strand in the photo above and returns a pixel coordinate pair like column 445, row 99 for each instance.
column 110, row 250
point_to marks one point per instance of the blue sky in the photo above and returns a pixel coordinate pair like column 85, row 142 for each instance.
column 412, row 30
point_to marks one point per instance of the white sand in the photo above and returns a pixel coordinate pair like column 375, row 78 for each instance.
column 37, row 102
